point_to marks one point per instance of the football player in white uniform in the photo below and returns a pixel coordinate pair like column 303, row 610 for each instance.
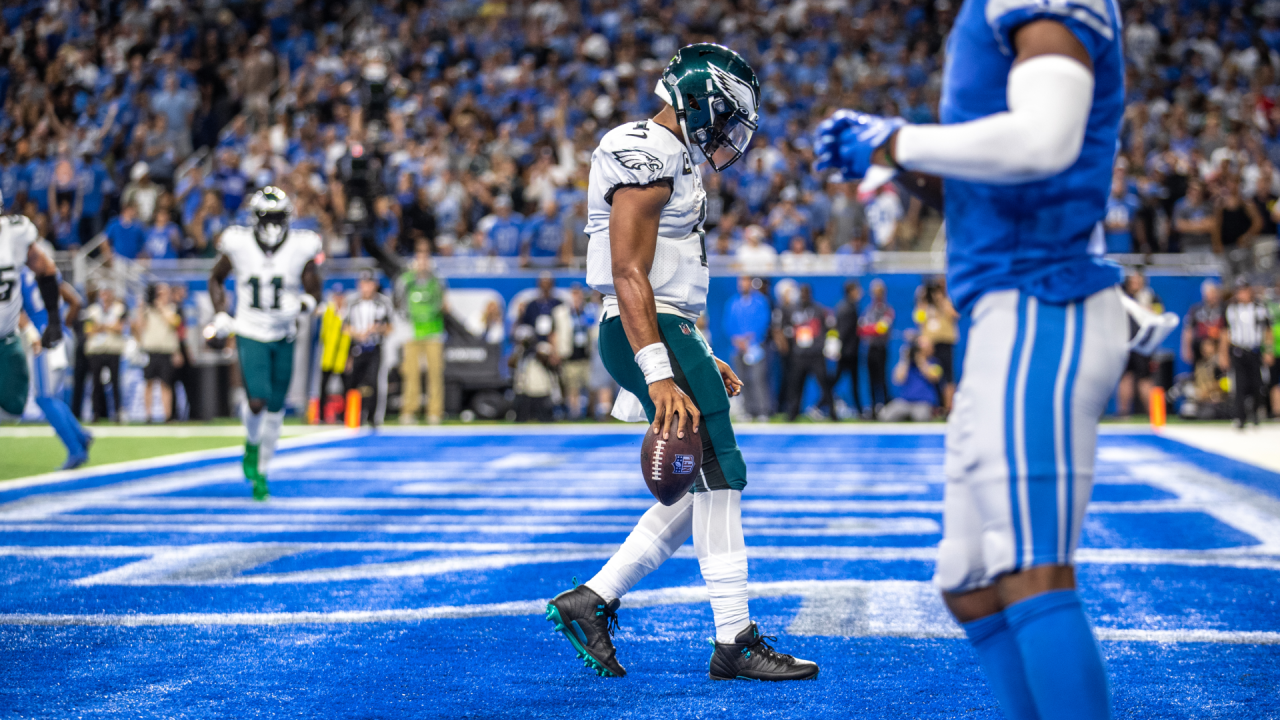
column 647, row 255
column 276, row 281
column 17, row 248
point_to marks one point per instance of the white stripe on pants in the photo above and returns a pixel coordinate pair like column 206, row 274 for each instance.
column 1022, row 435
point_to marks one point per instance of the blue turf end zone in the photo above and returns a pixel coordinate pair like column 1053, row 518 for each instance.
column 405, row 575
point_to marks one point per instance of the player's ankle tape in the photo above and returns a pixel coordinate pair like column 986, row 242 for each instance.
column 654, row 363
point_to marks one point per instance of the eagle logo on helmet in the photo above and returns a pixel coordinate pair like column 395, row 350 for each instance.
column 636, row 159
column 740, row 92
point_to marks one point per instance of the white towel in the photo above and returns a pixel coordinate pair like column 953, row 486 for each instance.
column 627, row 407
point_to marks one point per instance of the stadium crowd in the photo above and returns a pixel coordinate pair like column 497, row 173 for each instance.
column 466, row 128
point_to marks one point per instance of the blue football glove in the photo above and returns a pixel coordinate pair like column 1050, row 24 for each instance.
column 847, row 140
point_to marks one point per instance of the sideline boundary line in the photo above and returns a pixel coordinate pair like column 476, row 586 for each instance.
column 198, row 458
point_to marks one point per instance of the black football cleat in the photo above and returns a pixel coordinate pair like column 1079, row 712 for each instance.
column 749, row 657
column 589, row 622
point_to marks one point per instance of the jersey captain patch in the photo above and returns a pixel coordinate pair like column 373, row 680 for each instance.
column 636, row 159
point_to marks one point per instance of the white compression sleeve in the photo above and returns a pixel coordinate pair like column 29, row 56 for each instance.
column 270, row 436
column 722, row 556
column 660, row 532
column 253, row 425
column 1041, row 134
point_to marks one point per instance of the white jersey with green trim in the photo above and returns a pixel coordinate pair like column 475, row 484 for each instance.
column 645, row 154
column 268, row 285
column 17, row 235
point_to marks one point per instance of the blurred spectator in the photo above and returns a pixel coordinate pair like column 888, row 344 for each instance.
column 797, row 258
column 802, row 333
column 208, row 222
column 575, row 341
column 126, row 234
column 1202, row 322
column 156, row 327
column 747, row 318
column 755, row 256
column 502, row 229
column 544, row 238
column 420, row 296
column 1246, row 350
column 1138, row 372
column 874, row 326
column 103, row 346
column 1121, row 223
column 847, row 313
column 1238, row 222
column 916, row 375
column 847, row 226
column 1206, row 399
column 141, row 192
column 1196, row 222
column 367, row 321
column 884, row 211
column 936, row 319
column 163, row 238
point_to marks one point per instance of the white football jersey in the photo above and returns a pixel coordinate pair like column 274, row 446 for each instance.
column 268, row 286
column 641, row 154
column 17, row 234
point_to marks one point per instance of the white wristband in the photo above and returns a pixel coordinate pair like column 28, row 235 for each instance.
column 654, row 363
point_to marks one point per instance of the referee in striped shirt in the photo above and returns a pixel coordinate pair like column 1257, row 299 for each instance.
column 368, row 320
column 1247, row 349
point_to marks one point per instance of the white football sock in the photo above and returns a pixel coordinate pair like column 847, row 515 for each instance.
column 270, row 436
column 660, row 532
column 253, row 425
column 722, row 555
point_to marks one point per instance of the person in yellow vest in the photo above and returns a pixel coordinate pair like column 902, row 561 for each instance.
column 335, row 342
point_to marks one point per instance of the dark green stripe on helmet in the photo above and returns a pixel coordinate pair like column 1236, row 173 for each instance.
column 716, row 97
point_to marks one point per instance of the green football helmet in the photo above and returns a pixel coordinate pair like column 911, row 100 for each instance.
column 271, row 210
column 716, row 97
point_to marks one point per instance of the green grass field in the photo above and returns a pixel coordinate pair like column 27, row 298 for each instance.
column 21, row 457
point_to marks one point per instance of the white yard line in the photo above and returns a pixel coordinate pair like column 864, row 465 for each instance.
column 160, row 431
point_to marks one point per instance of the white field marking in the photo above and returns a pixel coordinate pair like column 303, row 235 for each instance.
column 834, row 608
column 835, row 527
column 39, row 507
column 1254, row 445
column 761, row 506
column 161, row 431
column 225, row 563
column 536, row 484
column 638, row 429
column 855, row 523
column 167, row 461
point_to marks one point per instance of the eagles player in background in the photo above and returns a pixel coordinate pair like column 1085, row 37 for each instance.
column 276, row 281
column 49, row 368
column 1033, row 94
column 17, row 248
column 647, row 255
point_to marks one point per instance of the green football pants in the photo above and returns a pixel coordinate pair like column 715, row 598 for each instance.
column 697, row 375
column 14, row 379
column 267, row 368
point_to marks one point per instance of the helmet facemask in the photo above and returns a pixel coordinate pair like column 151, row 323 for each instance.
column 271, row 229
column 727, row 137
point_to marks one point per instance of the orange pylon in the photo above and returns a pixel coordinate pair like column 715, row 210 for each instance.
column 353, row 409
column 1156, row 407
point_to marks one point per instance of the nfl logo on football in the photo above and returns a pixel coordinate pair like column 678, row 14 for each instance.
column 683, row 465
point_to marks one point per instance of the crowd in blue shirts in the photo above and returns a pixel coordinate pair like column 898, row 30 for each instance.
column 468, row 124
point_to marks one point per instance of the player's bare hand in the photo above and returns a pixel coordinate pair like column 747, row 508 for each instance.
column 672, row 409
column 732, row 384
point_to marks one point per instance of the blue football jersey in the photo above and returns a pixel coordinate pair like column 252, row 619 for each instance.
column 1032, row 236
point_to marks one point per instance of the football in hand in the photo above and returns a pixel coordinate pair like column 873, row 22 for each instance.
column 670, row 466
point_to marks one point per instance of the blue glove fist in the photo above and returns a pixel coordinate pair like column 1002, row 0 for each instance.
column 847, row 140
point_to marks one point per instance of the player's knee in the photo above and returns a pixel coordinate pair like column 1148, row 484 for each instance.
column 257, row 405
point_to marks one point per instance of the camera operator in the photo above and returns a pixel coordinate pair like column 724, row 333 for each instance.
column 916, row 375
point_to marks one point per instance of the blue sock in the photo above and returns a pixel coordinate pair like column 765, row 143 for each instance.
column 1063, row 662
column 1002, row 661
column 68, row 430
